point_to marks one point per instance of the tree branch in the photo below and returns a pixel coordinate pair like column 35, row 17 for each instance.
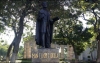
column 32, row 10
column 95, row 20
column 85, row 18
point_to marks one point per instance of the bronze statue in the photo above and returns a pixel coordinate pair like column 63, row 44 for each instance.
column 44, row 27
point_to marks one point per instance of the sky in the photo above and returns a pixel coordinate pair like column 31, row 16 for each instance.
column 7, row 36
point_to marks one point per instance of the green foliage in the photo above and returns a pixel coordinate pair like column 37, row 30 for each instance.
column 27, row 38
column 75, row 36
column 3, row 49
column 70, row 30
column 26, row 61
column 21, row 52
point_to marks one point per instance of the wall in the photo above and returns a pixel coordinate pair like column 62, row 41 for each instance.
column 86, row 53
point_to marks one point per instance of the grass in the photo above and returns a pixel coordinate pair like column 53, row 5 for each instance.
column 26, row 61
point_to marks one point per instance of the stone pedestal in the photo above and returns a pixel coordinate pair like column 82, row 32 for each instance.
column 46, row 55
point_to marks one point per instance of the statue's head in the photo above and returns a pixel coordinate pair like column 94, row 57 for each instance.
column 44, row 4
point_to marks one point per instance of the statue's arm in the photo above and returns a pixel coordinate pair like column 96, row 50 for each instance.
column 40, row 15
column 54, row 19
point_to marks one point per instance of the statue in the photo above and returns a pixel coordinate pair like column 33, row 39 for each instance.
column 44, row 27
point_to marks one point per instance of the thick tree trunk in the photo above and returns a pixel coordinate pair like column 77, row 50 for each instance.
column 18, row 35
column 98, row 52
column 18, row 39
column 15, row 42
column 15, row 46
column 8, row 53
column 15, row 51
column 9, row 50
column 91, row 55
column 76, row 56
column 13, row 58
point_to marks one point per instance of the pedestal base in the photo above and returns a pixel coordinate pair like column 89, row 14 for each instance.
column 46, row 55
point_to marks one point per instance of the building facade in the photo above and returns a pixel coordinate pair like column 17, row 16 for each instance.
column 65, row 51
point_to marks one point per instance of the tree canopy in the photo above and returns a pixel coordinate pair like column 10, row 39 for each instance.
column 69, row 29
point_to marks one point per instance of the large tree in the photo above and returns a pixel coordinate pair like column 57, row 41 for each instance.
column 92, row 7
column 70, row 32
column 70, row 29
column 13, row 16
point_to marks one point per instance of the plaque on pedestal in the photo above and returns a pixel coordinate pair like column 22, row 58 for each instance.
column 46, row 55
